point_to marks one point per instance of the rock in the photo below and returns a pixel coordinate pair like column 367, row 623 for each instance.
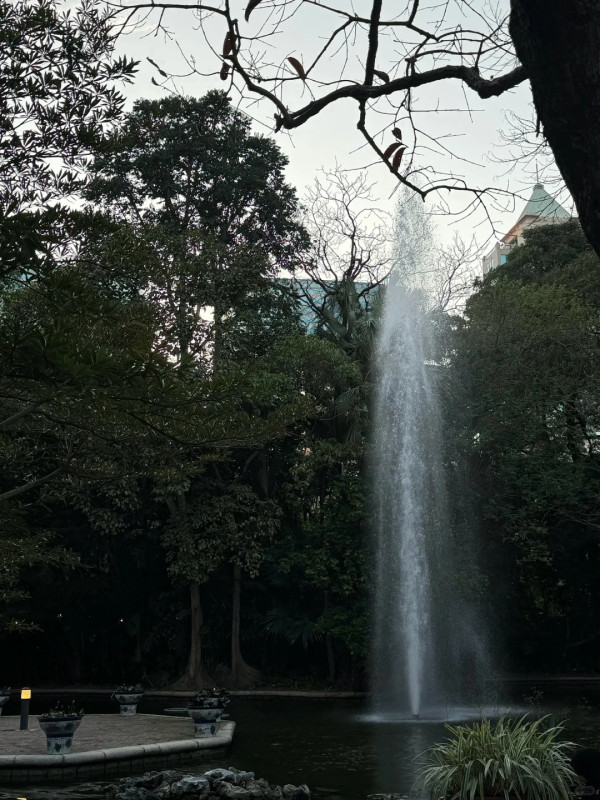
column 216, row 784
column 164, row 791
column 190, row 786
column 291, row 792
column 258, row 788
column 149, row 780
column 386, row 796
column 241, row 776
column 262, row 789
column 231, row 792
column 221, row 775
column 135, row 793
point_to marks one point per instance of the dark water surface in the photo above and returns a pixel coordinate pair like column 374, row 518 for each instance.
column 332, row 745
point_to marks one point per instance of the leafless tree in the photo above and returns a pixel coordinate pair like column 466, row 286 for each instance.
column 350, row 233
column 458, row 267
column 443, row 275
column 350, row 255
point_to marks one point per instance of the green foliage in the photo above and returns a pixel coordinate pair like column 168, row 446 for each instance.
column 348, row 625
column 217, row 697
column 203, row 170
column 57, row 82
column 63, row 712
column 22, row 549
column 124, row 688
column 214, row 522
column 521, row 758
column 528, row 352
column 202, row 206
column 292, row 624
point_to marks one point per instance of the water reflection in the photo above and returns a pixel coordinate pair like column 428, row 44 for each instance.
column 397, row 754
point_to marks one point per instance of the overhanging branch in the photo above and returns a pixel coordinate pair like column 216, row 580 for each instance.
column 484, row 87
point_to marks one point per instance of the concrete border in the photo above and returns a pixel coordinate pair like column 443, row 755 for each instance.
column 34, row 767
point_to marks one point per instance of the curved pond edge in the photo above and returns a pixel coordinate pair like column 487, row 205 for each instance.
column 17, row 768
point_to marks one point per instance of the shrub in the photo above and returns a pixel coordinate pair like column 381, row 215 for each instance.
column 520, row 758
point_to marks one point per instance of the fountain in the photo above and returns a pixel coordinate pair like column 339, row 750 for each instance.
column 428, row 660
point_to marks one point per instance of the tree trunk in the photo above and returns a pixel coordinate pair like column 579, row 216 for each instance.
column 329, row 644
column 242, row 674
column 196, row 675
column 558, row 42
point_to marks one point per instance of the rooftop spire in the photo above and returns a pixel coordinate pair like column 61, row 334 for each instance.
column 542, row 204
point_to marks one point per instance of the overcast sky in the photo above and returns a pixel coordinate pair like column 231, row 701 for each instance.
column 474, row 136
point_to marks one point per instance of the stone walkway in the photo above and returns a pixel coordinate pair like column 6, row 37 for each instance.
column 101, row 741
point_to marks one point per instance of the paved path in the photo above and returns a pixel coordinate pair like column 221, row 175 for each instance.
column 101, row 741
column 97, row 732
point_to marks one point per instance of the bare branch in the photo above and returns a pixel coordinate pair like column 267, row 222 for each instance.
column 26, row 487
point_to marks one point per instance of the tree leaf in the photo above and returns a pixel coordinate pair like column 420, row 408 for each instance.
column 298, row 67
column 398, row 158
column 383, row 76
column 224, row 74
column 250, row 8
column 389, row 150
column 397, row 133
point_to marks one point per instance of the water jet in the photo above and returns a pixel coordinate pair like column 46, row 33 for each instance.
column 427, row 652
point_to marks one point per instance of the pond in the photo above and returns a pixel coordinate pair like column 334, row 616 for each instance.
column 332, row 745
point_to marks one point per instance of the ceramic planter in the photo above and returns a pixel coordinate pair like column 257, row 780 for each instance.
column 4, row 698
column 205, row 720
column 59, row 733
column 128, row 702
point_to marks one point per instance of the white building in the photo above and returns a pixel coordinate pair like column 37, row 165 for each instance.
column 541, row 209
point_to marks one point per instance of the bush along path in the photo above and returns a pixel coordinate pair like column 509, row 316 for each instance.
column 225, row 784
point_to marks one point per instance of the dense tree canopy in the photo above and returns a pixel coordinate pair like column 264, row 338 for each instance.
column 529, row 344
column 58, row 89
column 181, row 450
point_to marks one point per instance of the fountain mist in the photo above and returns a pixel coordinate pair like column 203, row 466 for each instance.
column 426, row 657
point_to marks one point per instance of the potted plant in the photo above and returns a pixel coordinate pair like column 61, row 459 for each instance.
column 128, row 697
column 4, row 696
column 59, row 724
column 519, row 758
column 206, row 710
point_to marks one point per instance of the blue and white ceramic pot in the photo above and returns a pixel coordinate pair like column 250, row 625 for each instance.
column 59, row 733
column 128, row 702
column 205, row 720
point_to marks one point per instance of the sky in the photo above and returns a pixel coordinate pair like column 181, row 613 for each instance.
column 474, row 134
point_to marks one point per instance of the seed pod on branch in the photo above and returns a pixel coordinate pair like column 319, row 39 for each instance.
column 383, row 76
column 224, row 74
column 389, row 150
column 397, row 160
column 250, row 8
column 155, row 65
column 298, row 67
column 397, row 133
column 228, row 44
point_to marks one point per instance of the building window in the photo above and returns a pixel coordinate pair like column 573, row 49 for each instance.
column 503, row 258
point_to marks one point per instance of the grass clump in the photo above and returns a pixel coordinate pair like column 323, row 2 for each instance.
column 508, row 758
